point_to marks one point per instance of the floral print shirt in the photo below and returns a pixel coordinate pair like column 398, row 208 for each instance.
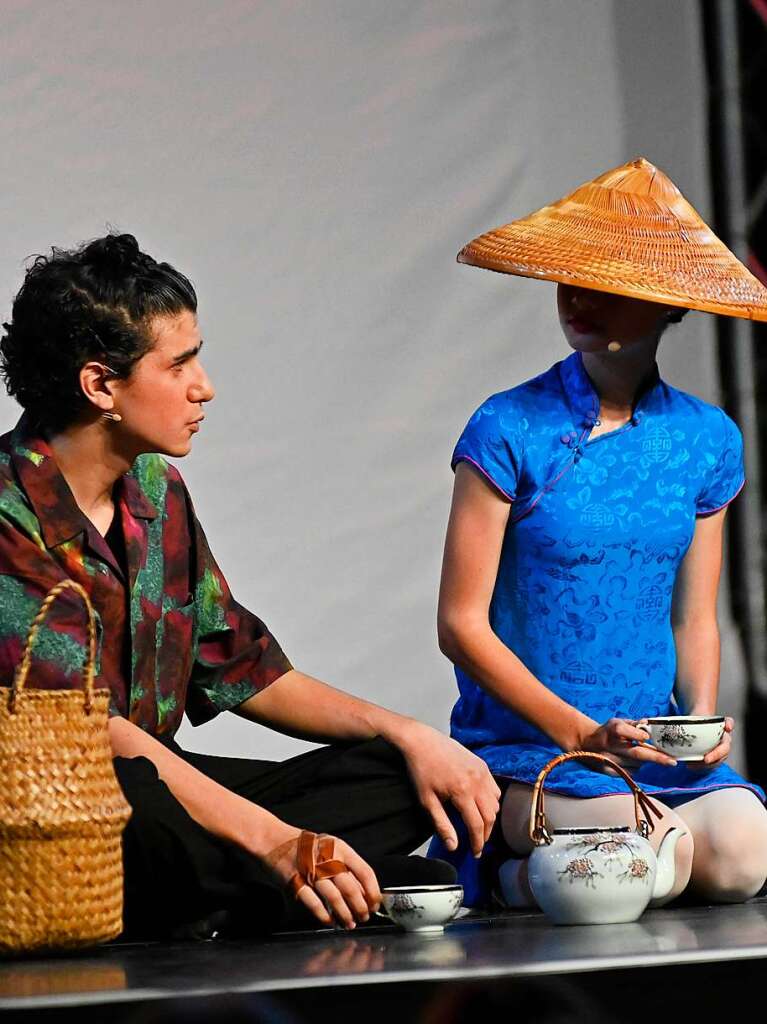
column 172, row 639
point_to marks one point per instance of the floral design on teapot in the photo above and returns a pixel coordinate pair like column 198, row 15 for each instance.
column 638, row 870
column 675, row 736
column 581, row 869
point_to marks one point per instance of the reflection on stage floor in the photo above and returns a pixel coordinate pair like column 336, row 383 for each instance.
column 506, row 946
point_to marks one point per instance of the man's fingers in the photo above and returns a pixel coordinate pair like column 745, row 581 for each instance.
column 353, row 895
column 334, row 900
column 442, row 824
column 473, row 821
column 365, row 875
column 313, row 903
column 489, row 811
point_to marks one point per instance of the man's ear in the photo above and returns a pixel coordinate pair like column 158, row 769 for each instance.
column 95, row 383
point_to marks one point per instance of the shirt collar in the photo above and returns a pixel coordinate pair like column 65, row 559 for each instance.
column 582, row 397
column 52, row 501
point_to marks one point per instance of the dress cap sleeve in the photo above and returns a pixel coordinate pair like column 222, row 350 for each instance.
column 725, row 474
column 492, row 445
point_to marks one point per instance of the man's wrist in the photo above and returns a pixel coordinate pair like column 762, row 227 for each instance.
column 265, row 833
column 399, row 730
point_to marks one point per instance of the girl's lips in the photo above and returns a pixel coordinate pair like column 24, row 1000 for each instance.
column 582, row 326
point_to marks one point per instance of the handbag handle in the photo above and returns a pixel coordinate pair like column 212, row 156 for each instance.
column 540, row 835
column 22, row 671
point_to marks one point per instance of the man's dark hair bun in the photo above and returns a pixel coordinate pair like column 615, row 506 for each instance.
column 118, row 255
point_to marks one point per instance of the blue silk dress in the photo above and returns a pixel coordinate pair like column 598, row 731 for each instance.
column 596, row 534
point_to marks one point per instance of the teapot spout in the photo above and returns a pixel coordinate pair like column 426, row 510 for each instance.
column 666, row 869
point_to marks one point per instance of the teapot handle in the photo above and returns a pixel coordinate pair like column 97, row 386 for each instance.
column 539, row 834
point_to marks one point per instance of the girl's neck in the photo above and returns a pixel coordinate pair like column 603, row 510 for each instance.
column 618, row 376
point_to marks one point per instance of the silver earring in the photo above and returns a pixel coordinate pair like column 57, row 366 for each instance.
column 114, row 417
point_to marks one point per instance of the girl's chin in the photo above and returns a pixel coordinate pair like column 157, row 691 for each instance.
column 587, row 342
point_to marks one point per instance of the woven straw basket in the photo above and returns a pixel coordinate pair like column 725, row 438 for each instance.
column 62, row 811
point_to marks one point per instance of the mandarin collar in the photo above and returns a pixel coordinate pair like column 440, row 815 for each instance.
column 582, row 397
column 49, row 494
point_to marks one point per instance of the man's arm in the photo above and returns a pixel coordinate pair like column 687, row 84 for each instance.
column 442, row 770
column 217, row 809
column 240, row 667
column 254, row 829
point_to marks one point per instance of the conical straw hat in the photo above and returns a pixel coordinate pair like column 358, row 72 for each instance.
column 630, row 232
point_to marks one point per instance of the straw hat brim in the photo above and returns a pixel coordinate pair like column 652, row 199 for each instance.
column 625, row 244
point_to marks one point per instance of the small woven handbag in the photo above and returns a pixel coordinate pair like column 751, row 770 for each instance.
column 62, row 811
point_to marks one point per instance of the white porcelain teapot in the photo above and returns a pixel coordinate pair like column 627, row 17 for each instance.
column 598, row 875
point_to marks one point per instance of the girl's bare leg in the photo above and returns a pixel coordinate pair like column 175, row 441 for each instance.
column 729, row 829
column 570, row 812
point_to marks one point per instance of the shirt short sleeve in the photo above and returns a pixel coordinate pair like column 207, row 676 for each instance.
column 490, row 443
column 237, row 656
column 725, row 475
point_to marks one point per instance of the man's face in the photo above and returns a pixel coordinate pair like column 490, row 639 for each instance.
column 161, row 403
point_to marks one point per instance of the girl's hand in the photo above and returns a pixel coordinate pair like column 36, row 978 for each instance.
column 719, row 754
column 626, row 740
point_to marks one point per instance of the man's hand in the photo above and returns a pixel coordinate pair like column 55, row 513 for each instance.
column 444, row 771
column 344, row 899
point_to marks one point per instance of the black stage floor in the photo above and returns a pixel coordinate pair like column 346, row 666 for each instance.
column 703, row 960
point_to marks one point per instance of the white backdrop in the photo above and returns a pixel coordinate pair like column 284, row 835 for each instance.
column 314, row 167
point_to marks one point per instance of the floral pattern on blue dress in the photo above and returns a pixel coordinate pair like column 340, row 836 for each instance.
column 597, row 531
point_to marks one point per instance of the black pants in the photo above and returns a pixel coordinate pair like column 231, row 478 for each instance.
column 176, row 872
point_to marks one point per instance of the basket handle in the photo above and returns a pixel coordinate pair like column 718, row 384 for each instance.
column 539, row 834
column 22, row 671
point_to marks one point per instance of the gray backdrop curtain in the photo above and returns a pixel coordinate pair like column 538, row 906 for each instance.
column 314, row 167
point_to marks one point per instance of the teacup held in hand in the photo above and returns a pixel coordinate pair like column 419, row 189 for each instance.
column 685, row 737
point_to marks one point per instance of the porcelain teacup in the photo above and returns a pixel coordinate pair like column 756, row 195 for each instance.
column 685, row 737
column 421, row 908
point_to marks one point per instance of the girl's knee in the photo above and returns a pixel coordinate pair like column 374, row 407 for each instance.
column 732, row 862
column 515, row 817
column 727, row 882
column 733, row 869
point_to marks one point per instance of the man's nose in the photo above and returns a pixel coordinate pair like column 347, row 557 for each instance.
column 203, row 390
